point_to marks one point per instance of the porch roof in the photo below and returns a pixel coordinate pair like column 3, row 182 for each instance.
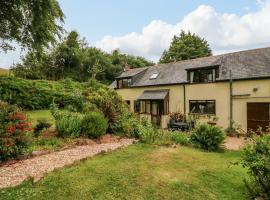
column 154, row 95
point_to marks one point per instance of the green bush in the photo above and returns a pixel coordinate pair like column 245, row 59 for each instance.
column 40, row 94
column 208, row 137
column 127, row 124
column 106, row 100
column 68, row 124
column 180, row 138
column 94, row 125
column 147, row 132
column 15, row 132
column 40, row 126
column 256, row 158
column 150, row 135
column 162, row 137
column 67, row 94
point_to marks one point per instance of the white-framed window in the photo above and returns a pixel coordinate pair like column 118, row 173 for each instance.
column 154, row 75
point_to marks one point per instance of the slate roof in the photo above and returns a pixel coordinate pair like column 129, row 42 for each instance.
column 131, row 72
column 243, row 64
column 154, row 95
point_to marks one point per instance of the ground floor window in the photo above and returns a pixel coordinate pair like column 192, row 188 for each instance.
column 156, row 107
column 137, row 106
column 202, row 106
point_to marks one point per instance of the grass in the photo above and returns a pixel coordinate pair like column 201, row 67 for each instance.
column 142, row 172
column 4, row 72
column 36, row 115
column 52, row 143
column 46, row 143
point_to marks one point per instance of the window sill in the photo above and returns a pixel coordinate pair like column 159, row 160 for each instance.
column 200, row 114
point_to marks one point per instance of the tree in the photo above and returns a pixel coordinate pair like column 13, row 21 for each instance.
column 73, row 58
column 99, row 65
column 133, row 61
column 96, row 69
column 68, row 57
column 31, row 66
column 186, row 46
column 32, row 24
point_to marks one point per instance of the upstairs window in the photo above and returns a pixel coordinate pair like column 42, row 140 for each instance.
column 203, row 75
column 154, row 75
column 124, row 83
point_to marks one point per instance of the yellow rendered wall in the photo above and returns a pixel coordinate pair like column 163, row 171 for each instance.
column 240, row 103
column 175, row 95
column 220, row 92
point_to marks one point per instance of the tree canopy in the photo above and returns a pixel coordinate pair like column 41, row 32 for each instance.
column 33, row 24
column 186, row 46
column 73, row 58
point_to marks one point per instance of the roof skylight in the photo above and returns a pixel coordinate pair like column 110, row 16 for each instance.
column 154, row 75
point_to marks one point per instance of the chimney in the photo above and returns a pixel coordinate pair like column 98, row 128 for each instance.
column 127, row 67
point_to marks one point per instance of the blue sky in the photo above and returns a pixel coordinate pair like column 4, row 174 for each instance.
column 96, row 18
column 145, row 27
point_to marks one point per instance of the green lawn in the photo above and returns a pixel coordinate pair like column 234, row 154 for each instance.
column 40, row 114
column 142, row 172
column 4, row 72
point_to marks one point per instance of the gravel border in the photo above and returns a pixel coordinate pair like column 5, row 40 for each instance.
column 36, row 167
column 234, row 143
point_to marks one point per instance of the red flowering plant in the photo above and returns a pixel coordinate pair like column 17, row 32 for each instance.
column 15, row 132
column 177, row 116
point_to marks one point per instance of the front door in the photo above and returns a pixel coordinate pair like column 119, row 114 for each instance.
column 258, row 115
column 155, row 112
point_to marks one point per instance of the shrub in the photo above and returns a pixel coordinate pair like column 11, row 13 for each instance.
column 106, row 100
column 15, row 132
column 127, row 124
column 6, row 109
column 146, row 131
column 39, row 94
column 150, row 135
column 256, row 158
column 162, row 137
column 208, row 137
column 180, row 138
column 233, row 130
column 40, row 126
column 68, row 124
column 89, row 107
column 94, row 125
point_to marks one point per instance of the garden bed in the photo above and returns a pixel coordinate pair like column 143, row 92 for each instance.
column 12, row 174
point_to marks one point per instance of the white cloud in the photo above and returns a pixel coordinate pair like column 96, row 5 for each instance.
column 224, row 32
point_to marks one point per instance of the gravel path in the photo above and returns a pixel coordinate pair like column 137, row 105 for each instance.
column 234, row 143
column 36, row 167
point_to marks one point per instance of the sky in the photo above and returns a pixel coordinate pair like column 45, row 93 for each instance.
column 146, row 27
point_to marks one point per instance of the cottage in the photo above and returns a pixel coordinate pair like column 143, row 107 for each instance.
column 230, row 87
